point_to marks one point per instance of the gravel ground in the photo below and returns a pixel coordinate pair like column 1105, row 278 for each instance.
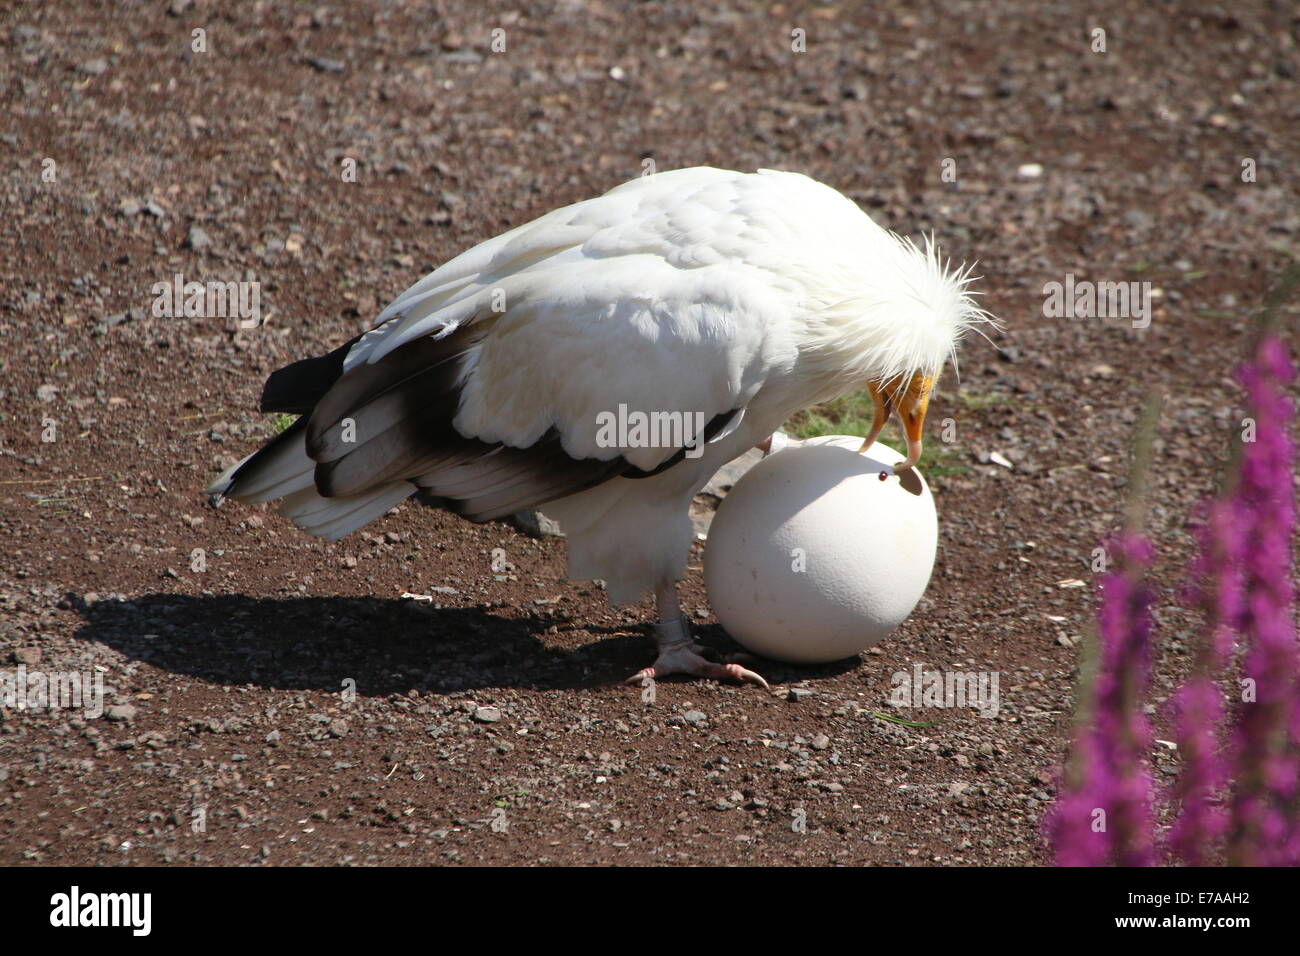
column 285, row 705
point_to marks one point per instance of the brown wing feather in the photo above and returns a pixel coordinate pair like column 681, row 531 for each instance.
column 399, row 412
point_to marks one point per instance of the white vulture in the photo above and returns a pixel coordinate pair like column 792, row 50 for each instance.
column 699, row 296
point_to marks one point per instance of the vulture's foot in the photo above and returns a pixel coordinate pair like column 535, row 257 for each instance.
column 679, row 654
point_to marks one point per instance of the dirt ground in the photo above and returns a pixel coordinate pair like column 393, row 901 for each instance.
column 490, row 725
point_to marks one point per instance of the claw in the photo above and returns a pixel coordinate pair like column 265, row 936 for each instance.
column 682, row 656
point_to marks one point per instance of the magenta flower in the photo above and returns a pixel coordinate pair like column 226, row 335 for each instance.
column 1104, row 811
column 1244, row 784
column 1198, row 705
column 1266, row 759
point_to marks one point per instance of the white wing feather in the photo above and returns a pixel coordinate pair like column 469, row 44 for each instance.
column 632, row 298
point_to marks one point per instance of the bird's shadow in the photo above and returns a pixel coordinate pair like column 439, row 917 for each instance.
column 318, row 643
column 386, row 646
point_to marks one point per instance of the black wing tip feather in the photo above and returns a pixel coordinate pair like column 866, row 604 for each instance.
column 298, row 386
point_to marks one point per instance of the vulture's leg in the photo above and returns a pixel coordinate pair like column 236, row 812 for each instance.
column 678, row 653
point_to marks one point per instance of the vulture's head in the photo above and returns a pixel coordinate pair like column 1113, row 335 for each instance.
column 895, row 324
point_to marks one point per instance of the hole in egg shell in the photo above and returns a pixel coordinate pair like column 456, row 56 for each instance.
column 910, row 482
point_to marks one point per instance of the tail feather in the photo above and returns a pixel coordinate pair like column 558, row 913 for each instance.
column 279, row 468
column 332, row 518
column 372, row 435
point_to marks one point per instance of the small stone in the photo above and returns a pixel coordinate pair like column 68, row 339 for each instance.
column 536, row 525
column 338, row 728
column 120, row 712
column 463, row 56
column 47, row 393
column 696, row 718
column 326, row 65
column 198, row 239
column 1030, row 171
column 487, row 715
column 27, row 655
column 96, row 67
column 821, row 742
column 796, row 695
column 1139, row 219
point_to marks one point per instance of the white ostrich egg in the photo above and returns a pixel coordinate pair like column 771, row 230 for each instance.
column 814, row 556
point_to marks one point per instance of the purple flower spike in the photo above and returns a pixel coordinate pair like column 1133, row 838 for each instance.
column 1265, row 828
column 1199, row 709
column 1104, row 815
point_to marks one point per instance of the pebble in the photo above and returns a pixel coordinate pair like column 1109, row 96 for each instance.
column 198, row 239
column 536, row 525
column 487, row 715
column 326, row 65
column 120, row 712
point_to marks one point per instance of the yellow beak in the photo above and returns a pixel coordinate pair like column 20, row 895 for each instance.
column 910, row 396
